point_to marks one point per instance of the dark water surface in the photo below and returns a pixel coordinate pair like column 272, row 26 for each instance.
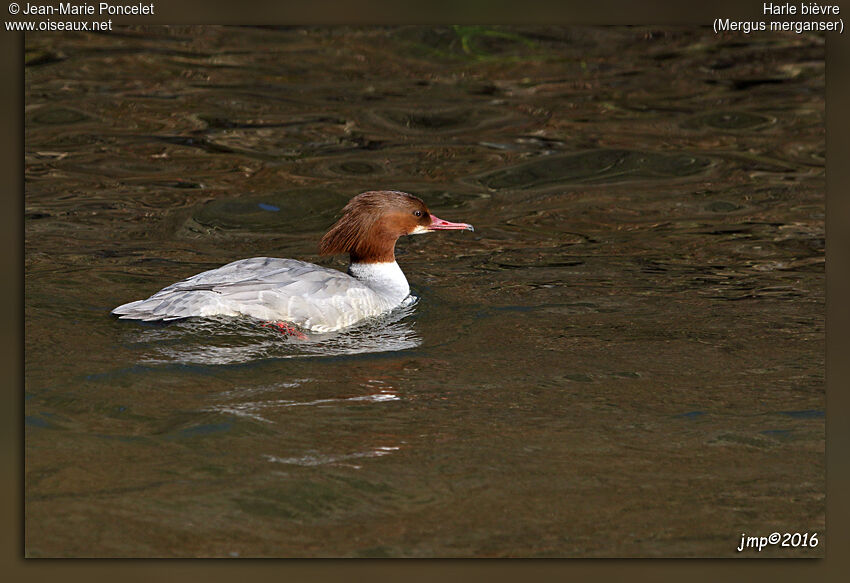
column 625, row 359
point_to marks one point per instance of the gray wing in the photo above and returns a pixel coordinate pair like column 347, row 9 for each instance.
column 267, row 288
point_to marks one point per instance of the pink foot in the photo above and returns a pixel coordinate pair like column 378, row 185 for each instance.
column 286, row 329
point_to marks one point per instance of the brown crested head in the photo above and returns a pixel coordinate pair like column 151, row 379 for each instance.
column 372, row 222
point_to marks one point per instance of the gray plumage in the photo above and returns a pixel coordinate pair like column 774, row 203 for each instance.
column 313, row 297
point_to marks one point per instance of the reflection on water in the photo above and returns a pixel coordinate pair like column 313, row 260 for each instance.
column 624, row 359
column 316, row 460
column 231, row 340
column 605, row 165
column 237, row 405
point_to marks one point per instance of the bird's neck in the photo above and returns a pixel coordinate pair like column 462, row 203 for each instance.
column 385, row 277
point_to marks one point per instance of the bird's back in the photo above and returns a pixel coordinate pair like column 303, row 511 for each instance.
column 313, row 297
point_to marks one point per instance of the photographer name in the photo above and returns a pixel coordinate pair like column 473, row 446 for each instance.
column 70, row 9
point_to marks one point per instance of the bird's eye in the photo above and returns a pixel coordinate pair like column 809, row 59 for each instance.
column 417, row 213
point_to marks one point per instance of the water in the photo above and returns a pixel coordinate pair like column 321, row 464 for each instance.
column 624, row 359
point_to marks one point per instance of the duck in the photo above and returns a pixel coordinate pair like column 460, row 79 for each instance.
column 297, row 295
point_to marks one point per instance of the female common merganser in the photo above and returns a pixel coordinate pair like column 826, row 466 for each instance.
column 311, row 297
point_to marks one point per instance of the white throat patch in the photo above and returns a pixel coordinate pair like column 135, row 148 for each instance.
column 385, row 278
